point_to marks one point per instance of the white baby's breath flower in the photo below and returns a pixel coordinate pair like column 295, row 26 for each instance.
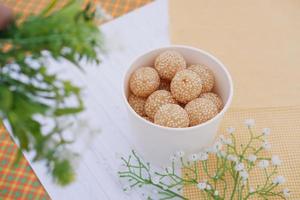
column 34, row 63
column 216, row 193
column 46, row 53
column 217, row 146
column 266, row 131
column 286, row 192
column 244, row 182
column 221, row 154
column 276, row 160
column 193, row 157
column 66, row 50
column 251, row 190
column 266, row 145
column 173, row 158
column 221, row 137
column 244, row 174
column 156, row 180
column 154, row 191
column 226, row 141
column 203, row 156
column 232, row 158
column 263, row 164
column 126, row 188
column 207, row 150
column 239, row 167
column 249, row 122
column 169, row 169
column 202, row 185
column 230, row 130
column 214, row 148
column 279, row 180
column 180, row 154
column 252, row 158
column 208, row 187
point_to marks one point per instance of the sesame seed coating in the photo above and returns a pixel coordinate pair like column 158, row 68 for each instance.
column 171, row 115
column 156, row 100
column 148, row 119
column 168, row 63
column 144, row 81
column 206, row 76
column 186, row 86
column 214, row 98
column 137, row 104
column 200, row 110
column 164, row 85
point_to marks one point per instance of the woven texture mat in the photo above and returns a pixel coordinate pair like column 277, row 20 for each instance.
column 284, row 138
column 257, row 40
column 113, row 8
column 19, row 181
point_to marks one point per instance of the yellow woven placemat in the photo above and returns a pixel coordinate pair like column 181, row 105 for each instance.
column 284, row 138
column 257, row 40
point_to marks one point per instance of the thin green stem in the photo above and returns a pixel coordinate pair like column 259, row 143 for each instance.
column 234, row 186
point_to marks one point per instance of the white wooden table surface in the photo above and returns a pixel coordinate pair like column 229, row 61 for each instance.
column 126, row 37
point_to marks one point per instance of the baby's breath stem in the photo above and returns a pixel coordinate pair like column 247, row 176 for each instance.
column 235, row 186
column 230, row 160
column 249, row 143
column 169, row 191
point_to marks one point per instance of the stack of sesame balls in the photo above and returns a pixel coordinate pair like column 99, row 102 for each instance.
column 173, row 94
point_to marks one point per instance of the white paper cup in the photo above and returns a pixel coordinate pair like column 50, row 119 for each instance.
column 157, row 143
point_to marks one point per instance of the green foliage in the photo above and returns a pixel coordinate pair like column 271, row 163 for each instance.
column 28, row 91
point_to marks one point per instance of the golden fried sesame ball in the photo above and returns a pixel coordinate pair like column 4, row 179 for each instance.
column 164, row 85
column 156, row 100
column 214, row 98
column 186, row 86
column 200, row 110
column 168, row 63
column 144, row 81
column 137, row 104
column 171, row 115
column 148, row 119
column 206, row 76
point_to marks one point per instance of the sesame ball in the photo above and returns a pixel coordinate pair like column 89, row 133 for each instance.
column 148, row 119
column 186, row 86
column 164, row 85
column 144, row 81
column 214, row 98
column 168, row 63
column 200, row 110
column 156, row 100
column 171, row 115
column 206, row 76
column 137, row 104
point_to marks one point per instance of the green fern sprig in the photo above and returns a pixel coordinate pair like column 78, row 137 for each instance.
column 28, row 91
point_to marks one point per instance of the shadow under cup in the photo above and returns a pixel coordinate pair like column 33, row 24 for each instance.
column 157, row 143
